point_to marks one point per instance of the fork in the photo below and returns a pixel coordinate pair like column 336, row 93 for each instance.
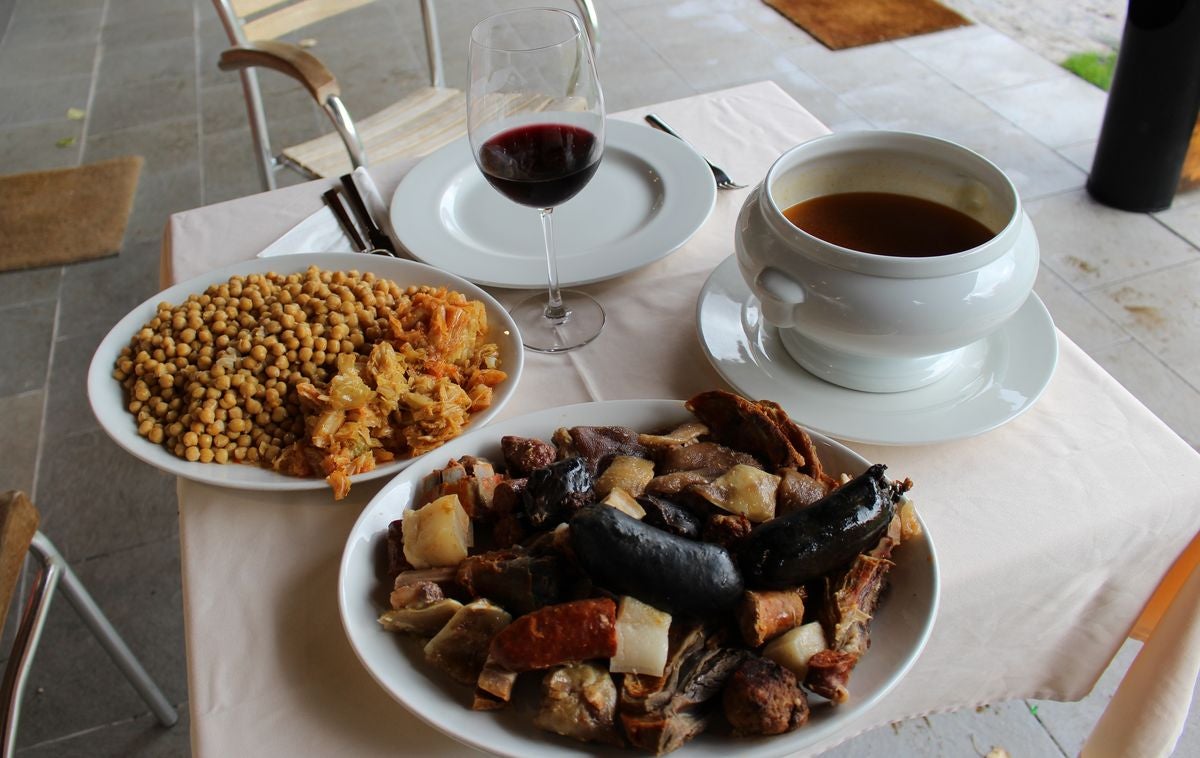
column 723, row 180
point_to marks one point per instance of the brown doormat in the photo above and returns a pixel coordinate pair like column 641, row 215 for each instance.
column 848, row 23
column 65, row 215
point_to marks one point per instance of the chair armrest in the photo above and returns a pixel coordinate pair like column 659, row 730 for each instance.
column 287, row 59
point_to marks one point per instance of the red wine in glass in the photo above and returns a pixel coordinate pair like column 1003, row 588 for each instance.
column 535, row 123
column 540, row 165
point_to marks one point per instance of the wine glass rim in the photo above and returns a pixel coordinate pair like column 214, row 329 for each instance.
column 575, row 23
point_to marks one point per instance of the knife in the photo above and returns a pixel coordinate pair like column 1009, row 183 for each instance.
column 375, row 236
column 334, row 201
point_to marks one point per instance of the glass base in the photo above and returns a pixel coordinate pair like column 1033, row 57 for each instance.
column 582, row 323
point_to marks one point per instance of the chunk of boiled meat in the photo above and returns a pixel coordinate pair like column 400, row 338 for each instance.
column 659, row 714
column 828, row 674
column 524, row 455
column 762, row 698
column 709, row 457
column 597, row 444
column 796, row 491
column 518, row 582
column 579, row 701
column 557, row 491
column 669, row 517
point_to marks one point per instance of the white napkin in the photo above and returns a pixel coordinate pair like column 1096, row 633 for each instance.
column 319, row 233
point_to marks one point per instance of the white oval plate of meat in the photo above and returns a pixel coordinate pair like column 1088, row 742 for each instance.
column 899, row 631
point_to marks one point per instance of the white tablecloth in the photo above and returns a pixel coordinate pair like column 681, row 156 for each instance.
column 1052, row 531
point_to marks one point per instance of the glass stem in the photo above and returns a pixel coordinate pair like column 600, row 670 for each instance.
column 554, row 304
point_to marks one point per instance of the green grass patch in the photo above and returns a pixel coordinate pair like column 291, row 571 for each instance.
column 1096, row 68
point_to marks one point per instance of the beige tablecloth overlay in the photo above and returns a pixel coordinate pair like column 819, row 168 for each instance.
column 1052, row 531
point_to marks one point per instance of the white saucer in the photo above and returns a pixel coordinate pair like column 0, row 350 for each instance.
column 650, row 195
column 999, row 378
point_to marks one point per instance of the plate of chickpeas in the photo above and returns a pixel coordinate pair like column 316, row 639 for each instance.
column 304, row 371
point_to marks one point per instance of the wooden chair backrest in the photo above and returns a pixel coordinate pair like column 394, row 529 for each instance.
column 18, row 524
column 272, row 19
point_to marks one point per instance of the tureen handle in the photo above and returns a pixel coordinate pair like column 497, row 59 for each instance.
column 779, row 294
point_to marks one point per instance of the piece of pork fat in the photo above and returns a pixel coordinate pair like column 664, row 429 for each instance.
column 494, row 687
column 460, row 648
column 579, row 701
column 685, row 434
column 659, row 714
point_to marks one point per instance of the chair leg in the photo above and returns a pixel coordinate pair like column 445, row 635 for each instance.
column 433, row 45
column 91, row 614
column 591, row 23
column 16, row 673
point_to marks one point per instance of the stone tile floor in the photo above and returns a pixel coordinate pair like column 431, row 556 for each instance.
column 1124, row 286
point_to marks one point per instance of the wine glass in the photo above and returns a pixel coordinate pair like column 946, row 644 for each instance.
column 535, row 121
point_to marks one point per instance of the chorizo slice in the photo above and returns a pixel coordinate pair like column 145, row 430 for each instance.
column 558, row 634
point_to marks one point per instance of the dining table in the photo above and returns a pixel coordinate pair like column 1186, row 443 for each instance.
column 1059, row 534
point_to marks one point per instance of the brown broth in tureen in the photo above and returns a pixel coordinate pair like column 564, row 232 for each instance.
column 886, row 223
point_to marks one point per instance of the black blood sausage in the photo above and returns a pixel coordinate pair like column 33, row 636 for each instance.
column 790, row 550
column 674, row 574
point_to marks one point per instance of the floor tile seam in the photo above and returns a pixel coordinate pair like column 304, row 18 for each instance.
column 139, row 125
column 199, row 113
column 1060, row 76
column 955, row 85
column 1194, row 245
column 1094, row 311
column 1150, row 348
column 1041, row 723
column 180, row 707
column 1061, row 73
column 91, row 99
column 12, row 11
column 44, row 421
column 1125, row 280
column 1033, row 197
column 6, row 309
column 83, row 560
column 19, row 395
column 636, row 32
column 41, row 80
column 976, row 97
column 1189, row 383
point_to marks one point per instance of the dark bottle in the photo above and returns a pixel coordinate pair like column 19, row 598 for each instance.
column 1152, row 107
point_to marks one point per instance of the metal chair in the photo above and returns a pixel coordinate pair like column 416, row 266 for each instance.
column 416, row 125
column 19, row 538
